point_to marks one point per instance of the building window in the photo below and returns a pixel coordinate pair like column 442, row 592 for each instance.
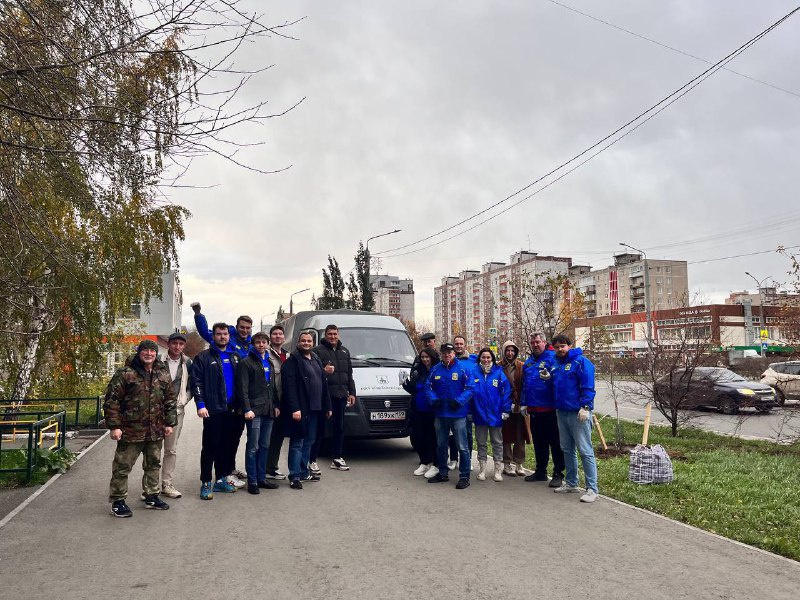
column 658, row 281
column 667, row 269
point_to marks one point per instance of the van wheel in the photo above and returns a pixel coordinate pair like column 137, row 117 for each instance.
column 780, row 397
column 727, row 406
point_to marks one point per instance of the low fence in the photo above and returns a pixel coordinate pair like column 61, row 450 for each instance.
column 82, row 412
column 33, row 425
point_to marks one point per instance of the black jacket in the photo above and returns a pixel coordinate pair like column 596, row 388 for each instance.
column 208, row 382
column 295, row 394
column 253, row 392
column 340, row 382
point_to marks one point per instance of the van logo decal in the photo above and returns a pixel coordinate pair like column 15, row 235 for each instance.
column 387, row 403
column 382, row 379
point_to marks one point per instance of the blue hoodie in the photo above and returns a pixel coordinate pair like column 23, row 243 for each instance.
column 536, row 391
column 573, row 381
column 491, row 396
column 450, row 383
column 235, row 344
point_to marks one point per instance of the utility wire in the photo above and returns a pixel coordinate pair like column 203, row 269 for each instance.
column 697, row 262
column 654, row 109
column 668, row 47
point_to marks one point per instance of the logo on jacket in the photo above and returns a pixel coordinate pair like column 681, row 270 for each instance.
column 387, row 403
column 566, row 368
column 494, row 383
column 455, row 377
column 382, row 379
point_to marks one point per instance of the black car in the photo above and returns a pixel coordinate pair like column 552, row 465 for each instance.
column 715, row 387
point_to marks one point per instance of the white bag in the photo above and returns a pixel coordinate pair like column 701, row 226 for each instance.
column 650, row 465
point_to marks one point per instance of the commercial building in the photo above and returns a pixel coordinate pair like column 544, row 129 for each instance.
column 621, row 288
column 393, row 296
column 488, row 306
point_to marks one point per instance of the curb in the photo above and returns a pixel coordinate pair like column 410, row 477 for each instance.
column 5, row 520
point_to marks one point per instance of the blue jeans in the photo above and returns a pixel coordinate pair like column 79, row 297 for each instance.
column 444, row 425
column 255, row 458
column 574, row 436
column 300, row 449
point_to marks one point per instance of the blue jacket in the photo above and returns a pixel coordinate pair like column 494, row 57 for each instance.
column 208, row 381
column 535, row 390
column 446, row 384
column 236, row 344
column 491, row 396
column 573, row 381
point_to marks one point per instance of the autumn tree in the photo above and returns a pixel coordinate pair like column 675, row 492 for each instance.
column 103, row 105
column 332, row 287
column 359, row 288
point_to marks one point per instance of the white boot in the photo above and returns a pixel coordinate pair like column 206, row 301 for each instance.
column 481, row 470
column 498, row 471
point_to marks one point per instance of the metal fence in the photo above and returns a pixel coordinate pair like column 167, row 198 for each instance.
column 82, row 412
column 34, row 425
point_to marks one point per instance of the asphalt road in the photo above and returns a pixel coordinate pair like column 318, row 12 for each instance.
column 779, row 424
column 373, row 532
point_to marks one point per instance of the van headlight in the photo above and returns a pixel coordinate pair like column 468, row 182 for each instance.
column 746, row 392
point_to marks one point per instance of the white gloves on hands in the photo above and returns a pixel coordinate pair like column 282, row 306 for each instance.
column 505, row 416
column 583, row 415
column 523, row 410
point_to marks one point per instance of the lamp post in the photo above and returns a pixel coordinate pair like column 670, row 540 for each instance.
column 366, row 287
column 261, row 326
column 291, row 299
column 648, row 316
column 760, row 288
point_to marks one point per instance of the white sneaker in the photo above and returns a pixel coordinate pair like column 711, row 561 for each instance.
column 510, row 470
column 498, row 471
column 339, row 465
column 235, row 481
column 433, row 470
column 240, row 475
column 314, row 468
column 452, row 465
column 482, row 470
column 421, row 469
column 520, row 471
column 564, row 488
column 589, row 496
column 170, row 492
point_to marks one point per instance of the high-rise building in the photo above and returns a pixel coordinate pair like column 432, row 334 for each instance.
column 393, row 296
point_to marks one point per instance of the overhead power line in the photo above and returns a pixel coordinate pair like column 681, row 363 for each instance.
column 668, row 47
column 609, row 140
column 708, row 260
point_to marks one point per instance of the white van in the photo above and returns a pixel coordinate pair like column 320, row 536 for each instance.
column 381, row 352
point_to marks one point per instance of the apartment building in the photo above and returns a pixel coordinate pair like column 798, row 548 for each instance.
column 622, row 287
column 771, row 296
column 481, row 304
column 393, row 296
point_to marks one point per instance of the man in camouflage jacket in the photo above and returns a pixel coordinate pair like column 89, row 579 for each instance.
column 140, row 409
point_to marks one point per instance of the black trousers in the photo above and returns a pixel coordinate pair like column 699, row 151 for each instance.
column 275, row 443
column 221, row 433
column 423, row 436
column 337, row 430
column 546, row 442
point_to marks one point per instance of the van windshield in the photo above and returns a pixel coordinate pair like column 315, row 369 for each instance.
column 382, row 346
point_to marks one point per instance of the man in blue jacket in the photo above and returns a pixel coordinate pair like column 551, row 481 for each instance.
column 537, row 397
column 239, row 337
column 573, row 388
column 213, row 377
column 449, row 390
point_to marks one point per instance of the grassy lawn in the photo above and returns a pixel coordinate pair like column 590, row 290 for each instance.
column 744, row 490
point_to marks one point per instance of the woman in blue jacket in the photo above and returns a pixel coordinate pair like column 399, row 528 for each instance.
column 423, row 431
column 491, row 405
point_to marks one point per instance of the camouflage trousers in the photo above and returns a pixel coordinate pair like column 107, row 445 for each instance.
column 124, row 459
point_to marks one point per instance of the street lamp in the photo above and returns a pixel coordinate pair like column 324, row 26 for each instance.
column 646, row 296
column 760, row 288
column 366, row 286
column 366, row 245
column 291, row 298
column 261, row 326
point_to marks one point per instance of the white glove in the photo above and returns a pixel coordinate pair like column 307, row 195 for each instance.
column 505, row 416
column 523, row 410
column 583, row 415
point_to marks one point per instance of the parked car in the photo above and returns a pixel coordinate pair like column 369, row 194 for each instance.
column 785, row 378
column 715, row 387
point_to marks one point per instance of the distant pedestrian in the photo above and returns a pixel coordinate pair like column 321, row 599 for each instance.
column 573, row 387
column 139, row 410
column 179, row 366
column 257, row 400
column 213, row 387
column 516, row 429
column 423, row 430
column 537, row 396
column 305, row 401
column 277, row 356
column 491, row 404
column 342, row 389
column 449, row 391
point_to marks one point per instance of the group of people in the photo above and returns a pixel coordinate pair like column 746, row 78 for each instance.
column 241, row 381
column 547, row 400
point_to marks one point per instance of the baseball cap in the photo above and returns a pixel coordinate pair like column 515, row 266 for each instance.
column 176, row 336
column 447, row 347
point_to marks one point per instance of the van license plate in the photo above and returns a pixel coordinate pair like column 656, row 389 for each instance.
column 394, row 415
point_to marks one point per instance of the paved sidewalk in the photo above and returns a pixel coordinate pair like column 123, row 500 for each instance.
column 373, row 532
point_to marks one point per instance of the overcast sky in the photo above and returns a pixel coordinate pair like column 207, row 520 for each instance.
column 419, row 114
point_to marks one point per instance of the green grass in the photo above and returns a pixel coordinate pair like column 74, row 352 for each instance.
column 48, row 464
column 742, row 489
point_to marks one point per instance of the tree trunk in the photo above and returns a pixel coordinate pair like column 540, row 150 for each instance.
column 28, row 363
